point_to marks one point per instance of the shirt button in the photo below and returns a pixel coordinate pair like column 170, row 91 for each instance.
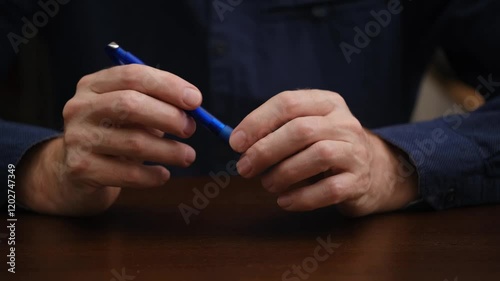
column 219, row 48
column 320, row 11
column 450, row 195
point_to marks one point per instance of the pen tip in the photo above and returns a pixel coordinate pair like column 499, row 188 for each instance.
column 114, row 45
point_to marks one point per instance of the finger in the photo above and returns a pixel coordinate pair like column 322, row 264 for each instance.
column 316, row 159
column 330, row 191
column 279, row 110
column 155, row 132
column 156, row 83
column 289, row 139
column 138, row 144
column 152, row 131
column 132, row 107
column 100, row 170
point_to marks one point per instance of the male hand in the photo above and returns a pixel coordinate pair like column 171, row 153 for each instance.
column 299, row 135
column 114, row 123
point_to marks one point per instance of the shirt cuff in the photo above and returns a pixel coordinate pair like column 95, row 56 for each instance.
column 16, row 141
column 448, row 164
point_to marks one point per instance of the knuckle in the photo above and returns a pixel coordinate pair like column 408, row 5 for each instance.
column 304, row 129
column 72, row 108
column 178, row 155
column 133, row 176
column 324, row 150
column 127, row 102
column 262, row 133
column 162, row 180
column 107, row 123
column 72, row 137
column 331, row 189
column 183, row 158
column 261, row 150
column 352, row 126
column 85, row 81
column 98, row 137
column 150, row 81
column 364, row 180
column 79, row 139
column 358, row 152
column 129, row 75
column 136, row 144
column 177, row 120
column 289, row 104
column 77, row 163
column 335, row 98
column 355, row 125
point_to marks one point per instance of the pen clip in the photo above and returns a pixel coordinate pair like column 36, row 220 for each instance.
column 112, row 55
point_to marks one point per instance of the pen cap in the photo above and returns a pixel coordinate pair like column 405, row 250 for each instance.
column 225, row 133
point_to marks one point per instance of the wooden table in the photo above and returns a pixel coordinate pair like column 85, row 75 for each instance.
column 243, row 235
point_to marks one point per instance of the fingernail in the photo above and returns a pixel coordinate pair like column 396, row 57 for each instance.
column 165, row 175
column 267, row 183
column 190, row 156
column 244, row 166
column 285, row 201
column 190, row 126
column 238, row 141
column 191, row 97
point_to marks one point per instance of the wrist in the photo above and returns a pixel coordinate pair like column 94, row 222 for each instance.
column 395, row 177
column 38, row 172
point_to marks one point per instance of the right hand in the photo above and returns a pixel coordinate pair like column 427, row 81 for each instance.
column 114, row 123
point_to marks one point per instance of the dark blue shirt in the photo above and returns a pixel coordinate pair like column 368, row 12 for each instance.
column 240, row 53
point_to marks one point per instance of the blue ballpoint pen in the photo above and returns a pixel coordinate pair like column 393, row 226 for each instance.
column 223, row 131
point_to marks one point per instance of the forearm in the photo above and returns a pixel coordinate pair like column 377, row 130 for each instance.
column 15, row 141
column 457, row 157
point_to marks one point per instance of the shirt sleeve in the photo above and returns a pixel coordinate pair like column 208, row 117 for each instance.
column 457, row 156
column 15, row 140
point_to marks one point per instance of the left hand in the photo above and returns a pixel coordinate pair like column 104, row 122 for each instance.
column 297, row 135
